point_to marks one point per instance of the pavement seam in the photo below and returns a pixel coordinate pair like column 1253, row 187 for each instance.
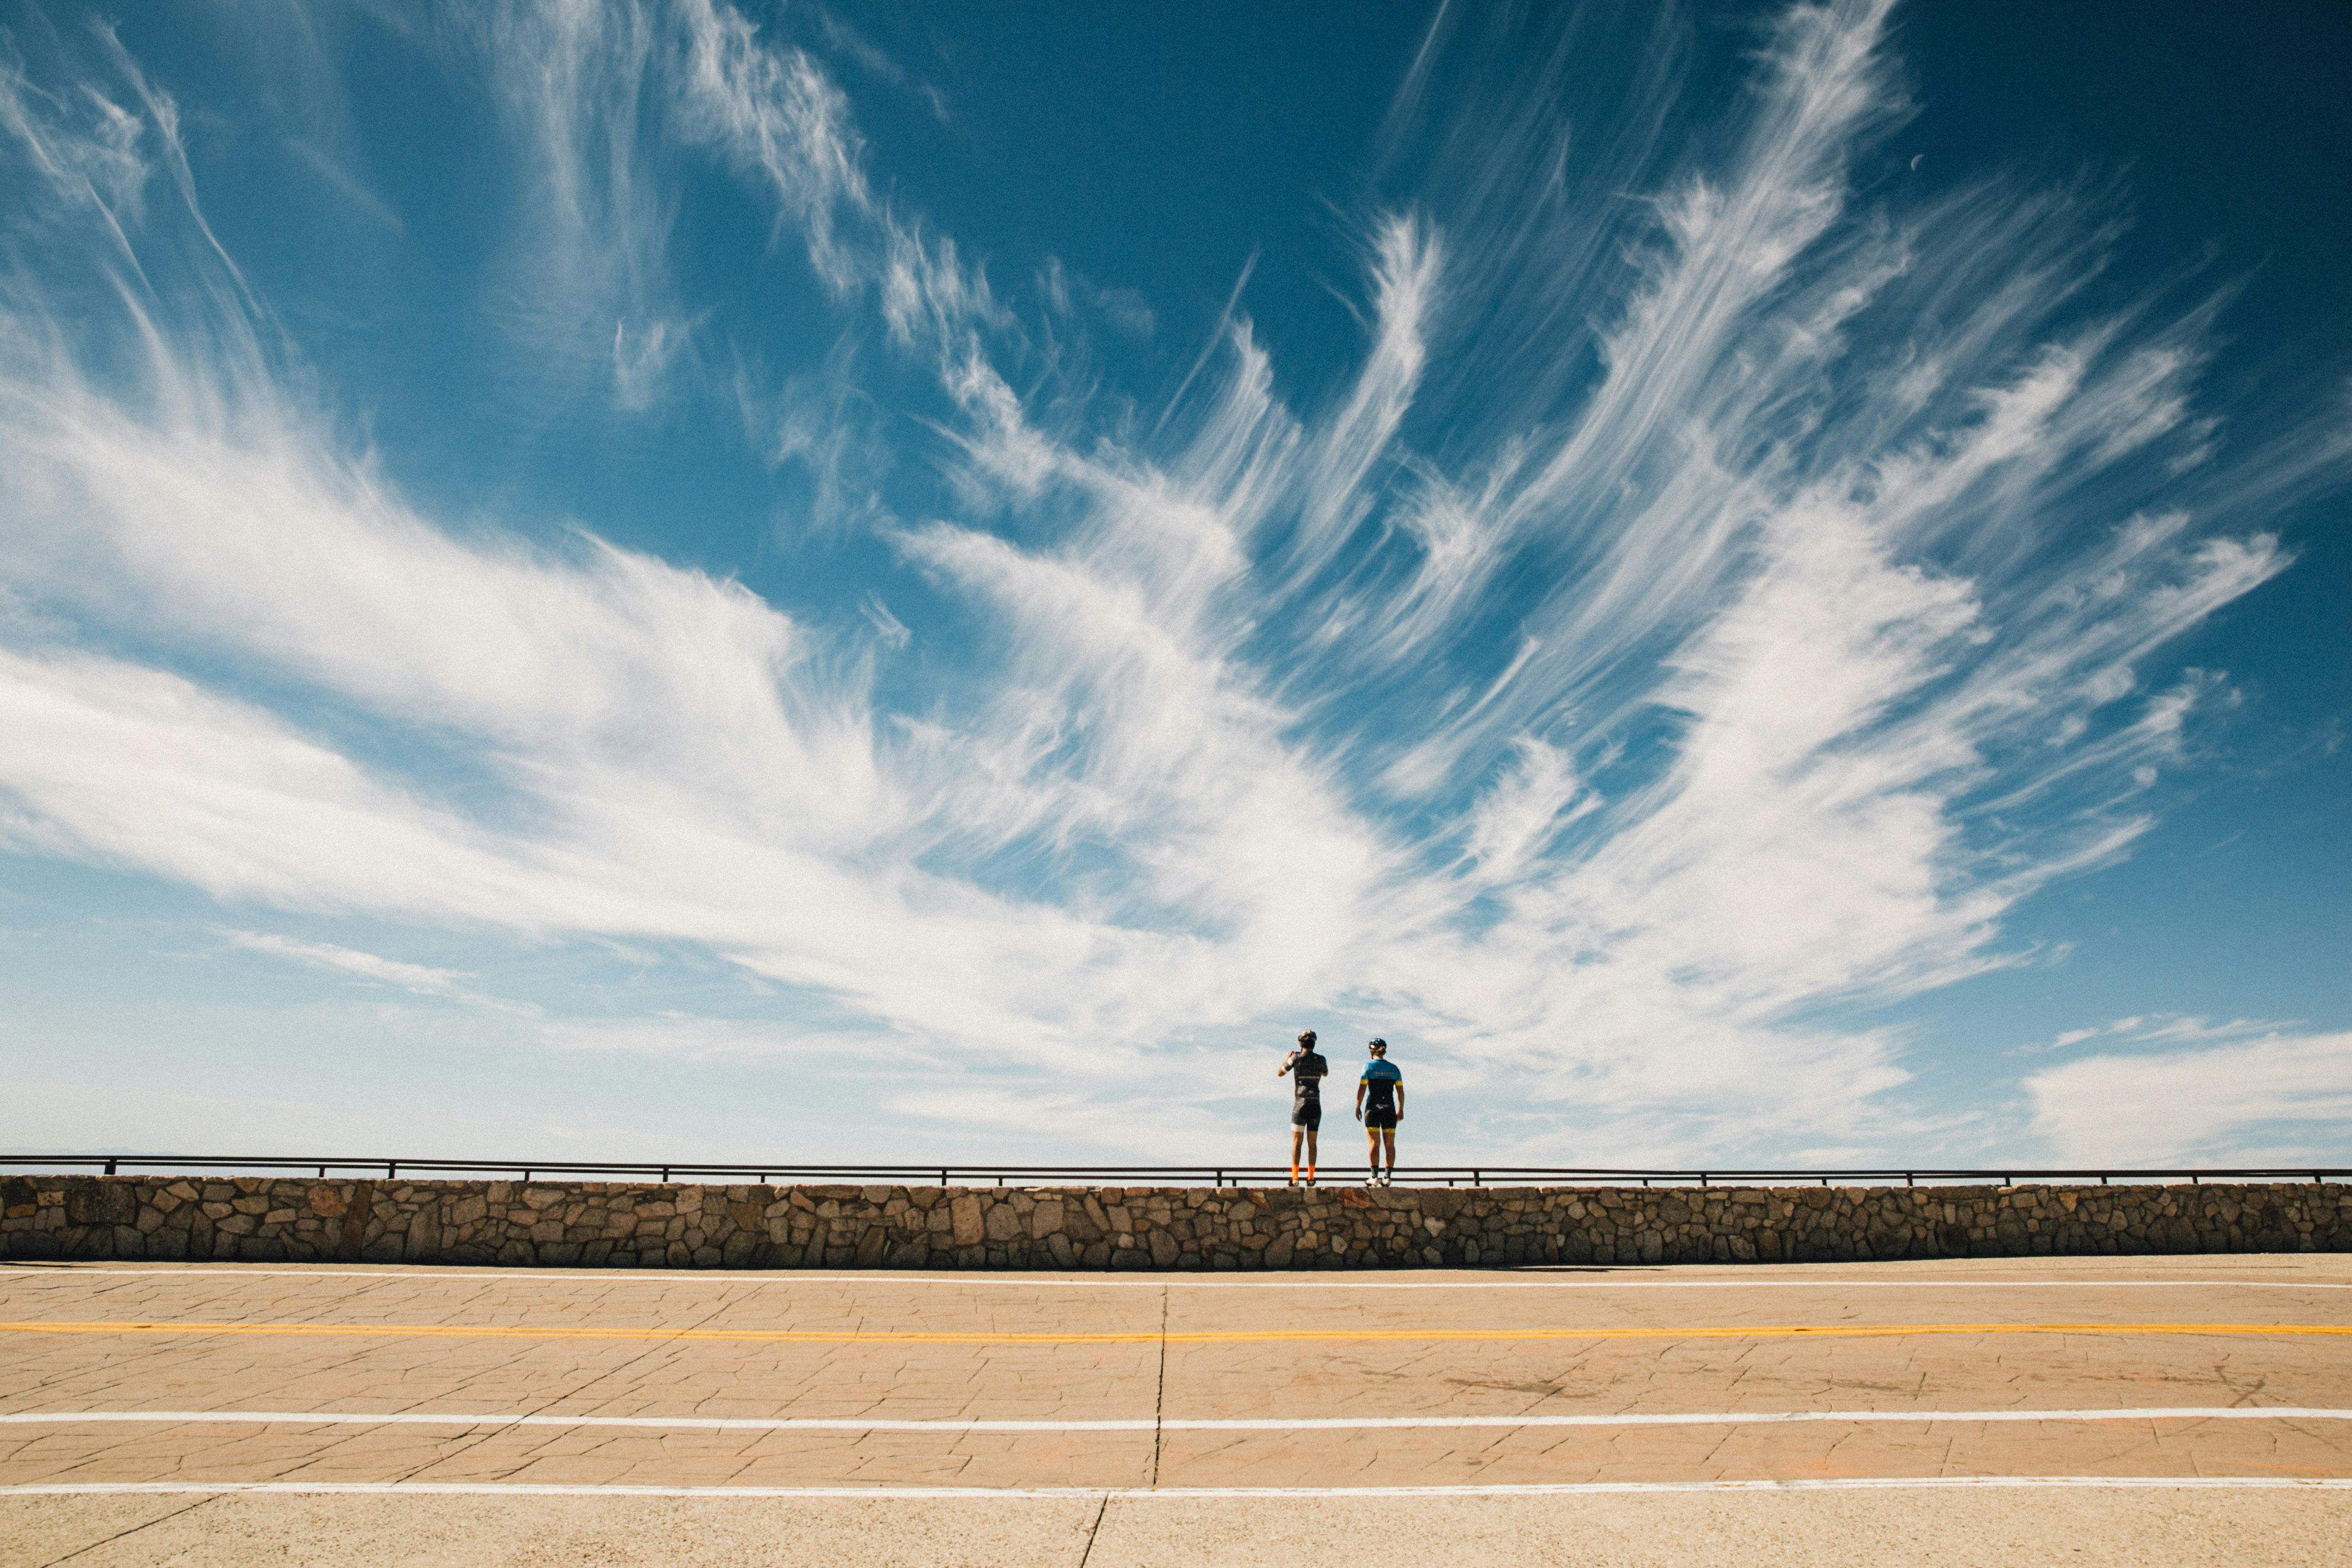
column 1093, row 1530
column 1160, row 1395
column 119, row 1534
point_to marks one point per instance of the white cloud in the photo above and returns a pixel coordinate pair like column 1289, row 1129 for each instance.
column 422, row 979
column 2155, row 1027
column 345, row 183
column 827, row 427
column 589, row 284
column 687, row 1037
column 2284, row 1099
column 84, row 145
column 777, row 118
column 888, row 627
column 1408, row 261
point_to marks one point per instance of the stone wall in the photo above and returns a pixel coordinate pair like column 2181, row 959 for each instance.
column 601, row 1225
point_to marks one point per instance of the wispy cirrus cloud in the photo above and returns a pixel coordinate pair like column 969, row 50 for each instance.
column 345, row 183
column 589, row 282
column 2158, row 1029
column 1618, row 699
column 602, row 99
column 422, row 979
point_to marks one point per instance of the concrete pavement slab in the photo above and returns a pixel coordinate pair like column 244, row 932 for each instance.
column 2141, row 1529
column 1613, row 1350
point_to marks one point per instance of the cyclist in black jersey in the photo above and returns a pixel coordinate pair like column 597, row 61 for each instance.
column 1307, row 1069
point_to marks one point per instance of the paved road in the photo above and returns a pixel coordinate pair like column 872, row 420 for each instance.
column 1948, row 1413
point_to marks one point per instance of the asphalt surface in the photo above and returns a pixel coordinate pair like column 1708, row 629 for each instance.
column 2132, row 1410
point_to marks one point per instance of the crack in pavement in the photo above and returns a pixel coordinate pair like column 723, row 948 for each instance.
column 727, row 1299
column 119, row 1534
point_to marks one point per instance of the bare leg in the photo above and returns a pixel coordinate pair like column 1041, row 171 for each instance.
column 1310, row 1151
column 1296, row 1133
column 1373, row 1137
column 1389, row 1133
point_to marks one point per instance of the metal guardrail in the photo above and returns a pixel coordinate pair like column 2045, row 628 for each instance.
column 1146, row 1176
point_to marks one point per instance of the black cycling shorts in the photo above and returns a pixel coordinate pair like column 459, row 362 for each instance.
column 1307, row 1114
column 1377, row 1117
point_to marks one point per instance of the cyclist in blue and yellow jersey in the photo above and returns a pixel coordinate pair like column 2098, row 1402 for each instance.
column 1307, row 1069
column 1379, row 1106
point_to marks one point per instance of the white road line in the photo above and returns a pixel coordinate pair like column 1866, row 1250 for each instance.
column 1004, row 1280
column 1567, row 1489
column 1325, row 1424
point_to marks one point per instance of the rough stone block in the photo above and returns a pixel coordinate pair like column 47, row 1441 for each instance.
column 101, row 1202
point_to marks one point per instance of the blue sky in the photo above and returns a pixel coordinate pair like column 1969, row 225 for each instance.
column 1746, row 584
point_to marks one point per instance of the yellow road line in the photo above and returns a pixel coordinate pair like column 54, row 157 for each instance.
column 1216, row 1336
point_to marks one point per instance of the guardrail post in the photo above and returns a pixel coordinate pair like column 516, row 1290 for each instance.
column 390, row 1168
column 665, row 1175
column 110, row 1167
column 1907, row 1181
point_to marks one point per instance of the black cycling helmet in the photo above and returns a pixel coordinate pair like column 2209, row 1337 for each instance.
column 1305, row 1037
column 1377, row 1044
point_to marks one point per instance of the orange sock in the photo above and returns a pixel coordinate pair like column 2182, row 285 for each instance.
column 1310, row 1172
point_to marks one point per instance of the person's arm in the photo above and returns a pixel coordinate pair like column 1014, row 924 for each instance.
column 1360, row 1099
column 1285, row 1064
column 1400, row 1099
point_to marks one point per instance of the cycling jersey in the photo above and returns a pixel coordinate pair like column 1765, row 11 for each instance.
column 1308, row 1071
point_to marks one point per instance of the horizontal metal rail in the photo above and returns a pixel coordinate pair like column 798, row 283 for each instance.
column 1338, row 1174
